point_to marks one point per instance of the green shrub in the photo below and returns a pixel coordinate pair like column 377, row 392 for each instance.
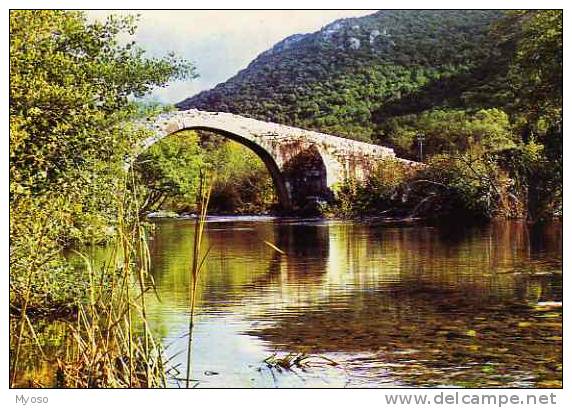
column 72, row 90
column 380, row 193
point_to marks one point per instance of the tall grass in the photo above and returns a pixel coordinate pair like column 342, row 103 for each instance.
column 112, row 345
column 108, row 344
column 198, row 261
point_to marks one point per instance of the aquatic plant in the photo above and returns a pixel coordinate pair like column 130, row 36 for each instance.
column 103, row 345
column 297, row 360
column 203, row 197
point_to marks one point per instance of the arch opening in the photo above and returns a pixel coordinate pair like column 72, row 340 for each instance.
column 282, row 192
column 307, row 178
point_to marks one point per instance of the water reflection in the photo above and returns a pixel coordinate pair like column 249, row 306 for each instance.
column 417, row 305
column 393, row 305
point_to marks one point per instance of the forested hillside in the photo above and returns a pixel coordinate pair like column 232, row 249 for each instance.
column 481, row 88
column 348, row 77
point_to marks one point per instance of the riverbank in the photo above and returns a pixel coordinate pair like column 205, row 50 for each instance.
column 368, row 218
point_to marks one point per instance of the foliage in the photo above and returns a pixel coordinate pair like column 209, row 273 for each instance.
column 469, row 81
column 475, row 184
column 243, row 183
column 450, row 131
column 484, row 87
column 169, row 172
column 72, row 85
column 470, row 185
column 535, row 72
column 100, row 346
column 535, row 75
column 379, row 194
column 38, row 275
column 537, row 177
column 320, row 81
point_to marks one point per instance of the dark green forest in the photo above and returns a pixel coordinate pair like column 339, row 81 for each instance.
column 348, row 77
column 483, row 89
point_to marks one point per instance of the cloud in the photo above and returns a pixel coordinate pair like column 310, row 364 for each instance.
column 220, row 43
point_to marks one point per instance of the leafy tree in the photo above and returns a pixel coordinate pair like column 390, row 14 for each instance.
column 72, row 90
column 170, row 169
column 168, row 175
column 449, row 131
column 243, row 183
column 535, row 38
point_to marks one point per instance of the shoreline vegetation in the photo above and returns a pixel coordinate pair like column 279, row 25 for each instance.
column 75, row 94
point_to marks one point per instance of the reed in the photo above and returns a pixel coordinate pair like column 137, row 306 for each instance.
column 108, row 344
column 108, row 341
column 203, row 198
column 24, row 323
column 112, row 345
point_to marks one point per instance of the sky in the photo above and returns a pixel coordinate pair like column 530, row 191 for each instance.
column 220, row 43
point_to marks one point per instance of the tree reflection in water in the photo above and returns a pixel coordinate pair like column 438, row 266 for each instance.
column 416, row 305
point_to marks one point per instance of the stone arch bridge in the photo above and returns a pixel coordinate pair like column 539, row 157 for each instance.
column 304, row 164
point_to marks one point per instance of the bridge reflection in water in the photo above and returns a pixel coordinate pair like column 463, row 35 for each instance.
column 395, row 306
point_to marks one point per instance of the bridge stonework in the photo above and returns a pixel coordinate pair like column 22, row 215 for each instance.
column 304, row 165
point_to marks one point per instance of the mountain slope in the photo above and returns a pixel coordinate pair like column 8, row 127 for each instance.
column 354, row 73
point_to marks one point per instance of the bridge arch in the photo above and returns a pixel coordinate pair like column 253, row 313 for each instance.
column 323, row 160
column 284, row 198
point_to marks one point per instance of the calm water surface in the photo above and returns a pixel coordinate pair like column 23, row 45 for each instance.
column 394, row 306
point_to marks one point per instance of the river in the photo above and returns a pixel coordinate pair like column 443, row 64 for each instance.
column 392, row 306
